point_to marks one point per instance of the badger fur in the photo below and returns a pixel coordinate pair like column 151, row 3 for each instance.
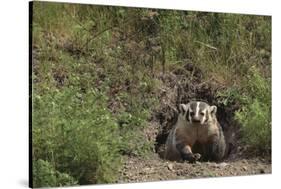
column 197, row 135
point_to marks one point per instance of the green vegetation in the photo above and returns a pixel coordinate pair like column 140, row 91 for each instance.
column 76, row 134
column 47, row 176
column 96, row 72
column 255, row 114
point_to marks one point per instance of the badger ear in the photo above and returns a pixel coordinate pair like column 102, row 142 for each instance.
column 183, row 108
column 213, row 109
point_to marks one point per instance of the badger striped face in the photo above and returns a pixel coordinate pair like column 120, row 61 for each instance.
column 199, row 112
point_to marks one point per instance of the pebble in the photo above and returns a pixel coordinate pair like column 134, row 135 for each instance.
column 170, row 166
column 146, row 169
column 244, row 168
column 222, row 165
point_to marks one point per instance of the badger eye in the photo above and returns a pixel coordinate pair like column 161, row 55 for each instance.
column 202, row 113
column 192, row 113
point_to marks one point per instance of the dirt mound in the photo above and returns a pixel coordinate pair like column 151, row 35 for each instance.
column 181, row 86
column 186, row 84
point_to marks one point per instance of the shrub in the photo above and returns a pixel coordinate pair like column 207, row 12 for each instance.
column 256, row 126
column 133, row 141
column 255, row 114
column 46, row 175
column 76, row 133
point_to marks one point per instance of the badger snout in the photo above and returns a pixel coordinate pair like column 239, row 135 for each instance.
column 196, row 120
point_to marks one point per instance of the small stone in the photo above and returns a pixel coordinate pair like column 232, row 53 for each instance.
column 244, row 168
column 222, row 165
column 219, row 165
column 262, row 171
column 198, row 162
column 170, row 166
column 146, row 169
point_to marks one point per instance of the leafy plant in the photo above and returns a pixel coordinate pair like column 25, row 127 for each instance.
column 255, row 114
column 46, row 175
column 76, row 133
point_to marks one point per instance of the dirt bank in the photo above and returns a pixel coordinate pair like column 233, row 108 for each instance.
column 181, row 86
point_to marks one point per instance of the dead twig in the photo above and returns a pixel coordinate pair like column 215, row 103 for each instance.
column 206, row 45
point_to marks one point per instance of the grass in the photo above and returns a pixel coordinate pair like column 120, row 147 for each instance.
column 95, row 79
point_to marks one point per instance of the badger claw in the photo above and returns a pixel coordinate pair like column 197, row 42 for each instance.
column 192, row 158
column 197, row 156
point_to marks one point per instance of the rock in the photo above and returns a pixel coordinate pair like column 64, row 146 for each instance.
column 262, row 170
column 198, row 162
column 219, row 165
column 244, row 168
column 222, row 165
column 210, row 163
column 146, row 169
column 170, row 167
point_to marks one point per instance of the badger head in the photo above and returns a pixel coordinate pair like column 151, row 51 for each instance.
column 197, row 112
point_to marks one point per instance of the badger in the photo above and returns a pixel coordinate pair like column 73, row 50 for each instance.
column 197, row 135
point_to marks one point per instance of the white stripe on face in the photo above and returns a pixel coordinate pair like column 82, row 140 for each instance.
column 197, row 110
column 204, row 118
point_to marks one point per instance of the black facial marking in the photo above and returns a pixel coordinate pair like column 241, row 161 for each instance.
column 192, row 113
column 187, row 115
column 203, row 105
column 193, row 106
column 207, row 117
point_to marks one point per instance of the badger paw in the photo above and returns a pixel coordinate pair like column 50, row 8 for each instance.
column 197, row 156
column 192, row 158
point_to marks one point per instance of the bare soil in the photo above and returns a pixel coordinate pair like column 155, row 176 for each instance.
column 156, row 169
